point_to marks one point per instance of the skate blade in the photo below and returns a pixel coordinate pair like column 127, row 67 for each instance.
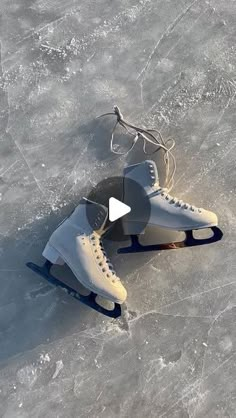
column 190, row 241
column 90, row 300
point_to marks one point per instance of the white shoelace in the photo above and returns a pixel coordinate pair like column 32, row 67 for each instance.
column 151, row 136
column 174, row 200
column 103, row 260
column 164, row 191
column 154, row 137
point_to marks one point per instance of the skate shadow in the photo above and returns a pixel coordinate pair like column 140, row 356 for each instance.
column 126, row 264
column 33, row 313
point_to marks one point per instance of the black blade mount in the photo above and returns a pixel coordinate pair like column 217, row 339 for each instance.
column 189, row 241
column 90, row 300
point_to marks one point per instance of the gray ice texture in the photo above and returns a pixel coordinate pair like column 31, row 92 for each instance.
column 168, row 64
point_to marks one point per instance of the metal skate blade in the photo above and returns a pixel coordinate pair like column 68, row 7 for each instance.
column 193, row 240
column 189, row 241
column 89, row 300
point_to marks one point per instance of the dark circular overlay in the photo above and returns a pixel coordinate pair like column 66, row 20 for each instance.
column 114, row 187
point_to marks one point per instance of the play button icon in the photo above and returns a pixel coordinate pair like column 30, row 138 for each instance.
column 117, row 209
column 110, row 193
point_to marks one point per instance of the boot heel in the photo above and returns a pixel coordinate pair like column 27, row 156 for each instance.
column 52, row 255
column 133, row 228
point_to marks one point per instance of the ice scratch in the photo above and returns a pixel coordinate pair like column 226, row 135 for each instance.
column 210, row 165
column 193, row 387
column 219, row 314
column 30, row 169
column 198, row 294
column 169, row 29
column 184, row 35
column 229, row 101
column 9, row 168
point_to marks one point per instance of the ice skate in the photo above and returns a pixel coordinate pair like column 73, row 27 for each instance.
column 166, row 211
column 78, row 244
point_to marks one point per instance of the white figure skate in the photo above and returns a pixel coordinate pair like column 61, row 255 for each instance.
column 165, row 211
column 78, row 244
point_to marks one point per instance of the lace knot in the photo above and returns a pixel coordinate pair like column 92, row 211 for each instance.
column 118, row 113
column 152, row 137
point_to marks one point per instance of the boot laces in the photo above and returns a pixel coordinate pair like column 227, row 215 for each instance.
column 164, row 191
column 174, row 200
column 147, row 136
column 103, row 260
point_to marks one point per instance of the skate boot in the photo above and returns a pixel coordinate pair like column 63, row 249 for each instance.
column 77, row 242
column 165, row 211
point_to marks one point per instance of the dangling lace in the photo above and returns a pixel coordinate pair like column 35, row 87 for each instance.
column 151, row 136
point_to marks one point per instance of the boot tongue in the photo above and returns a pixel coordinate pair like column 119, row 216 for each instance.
column 90, row 215
column 152, row 170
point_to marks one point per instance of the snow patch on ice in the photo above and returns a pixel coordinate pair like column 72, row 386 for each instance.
column 27, row 375
column 44, row 358
column 59, row 367
column 162, row 363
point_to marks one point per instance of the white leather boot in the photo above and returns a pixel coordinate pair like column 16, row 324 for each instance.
column 165, row 211
column 78, row 244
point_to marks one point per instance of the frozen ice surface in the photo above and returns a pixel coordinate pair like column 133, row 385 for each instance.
column 168, row 64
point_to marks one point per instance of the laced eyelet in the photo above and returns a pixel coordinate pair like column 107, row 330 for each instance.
column 101, row 256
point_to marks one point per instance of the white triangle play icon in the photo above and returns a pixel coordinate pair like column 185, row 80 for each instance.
column 117, row 209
